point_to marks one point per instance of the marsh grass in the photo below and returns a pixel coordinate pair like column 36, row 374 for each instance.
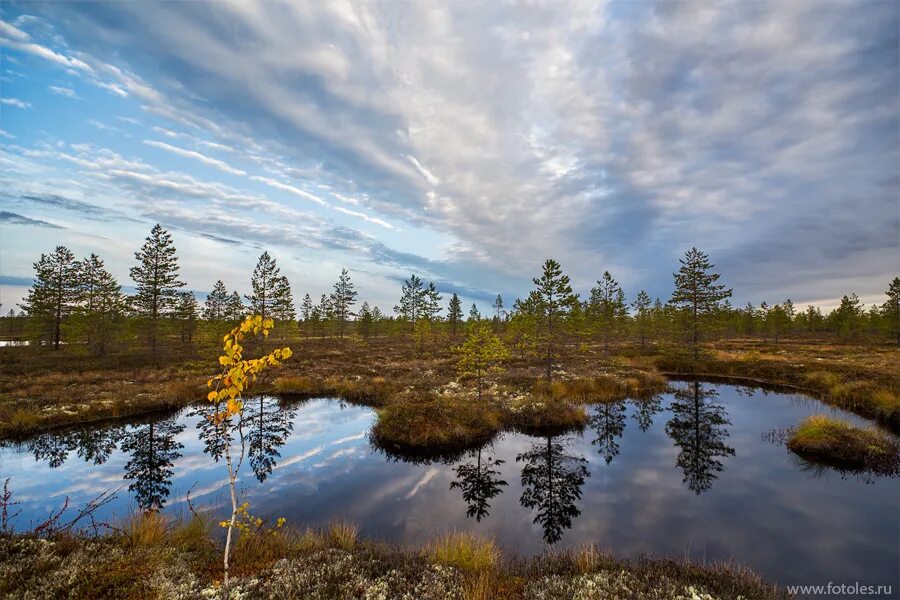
column 342, row 534
column 332, row 563
column 844, row 381
column 465, row 551
column 435, row 424
column 820, row 438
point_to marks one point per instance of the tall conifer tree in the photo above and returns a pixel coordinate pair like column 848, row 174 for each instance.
column 156, row 279
column 696, row 292
column 55, row 292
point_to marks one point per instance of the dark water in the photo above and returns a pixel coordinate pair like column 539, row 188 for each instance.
column 689, row 474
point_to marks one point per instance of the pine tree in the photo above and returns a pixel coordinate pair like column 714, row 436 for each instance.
column 498, row 310
column 607, row 307
column 749, row 319
column 642, row 317
column 847, row 316
column 365, row 320
column 552, row 299
column 342, row 300
column 431, row 303
column 156, row 280
column 216, row 307
column 411, row 300
column 454, row 314
column 481, row 355
column 55, row 292
column 306, row 310
column 101, row 301
column 696, row 292
column 890, row 310
column 762, row 317
column 283, row 304
column 326, row 314
column 265, row 278
column 377, row 317
column 474, row 315
column 790, row 314
column 186, row 312
column 777, row 320
column 235, row 308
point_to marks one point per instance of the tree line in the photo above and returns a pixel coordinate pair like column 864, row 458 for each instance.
column 79, row 301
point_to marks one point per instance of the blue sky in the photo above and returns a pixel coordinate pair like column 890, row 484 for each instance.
column 465, row 142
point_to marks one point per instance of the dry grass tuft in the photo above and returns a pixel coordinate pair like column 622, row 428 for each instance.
column 465, row 551
column 343, row 535
column 146, row 529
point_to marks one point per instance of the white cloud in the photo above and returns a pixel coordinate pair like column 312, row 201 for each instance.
column 290, row 189
column 207, row 160
column 363, row 216
column 15, row 102
column 62, row 91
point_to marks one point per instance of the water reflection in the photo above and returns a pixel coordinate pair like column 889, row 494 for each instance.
column 551, row 482
column 608, row 422
column 480, row 482
column 92, row 445
column 314, row 464
column 645, row 409
column 152, row 449
column 699, row 427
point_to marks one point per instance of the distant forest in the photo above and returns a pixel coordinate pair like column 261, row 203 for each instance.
column 79, row 302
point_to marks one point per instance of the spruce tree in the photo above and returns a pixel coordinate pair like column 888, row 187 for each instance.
column 696, row 292
column 454, row 314
column 101, row 301
column 156, row 279
column 642, row 316
column 55, row 292
column 265, row 278
column 890, row 310
column 552, row 300
column 216, row 306
column 342, row 300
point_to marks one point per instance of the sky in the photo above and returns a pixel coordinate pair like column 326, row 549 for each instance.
column 462, row 141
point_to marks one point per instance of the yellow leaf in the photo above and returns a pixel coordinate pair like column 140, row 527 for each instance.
column 211, row 396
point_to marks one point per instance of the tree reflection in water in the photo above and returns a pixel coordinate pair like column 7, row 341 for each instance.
column 266, row 426
column 552, row 481
column 608, row 422
column 645, row 409
column 92, row 445
column 699, row 428
column 153, row 450
column 480, row 482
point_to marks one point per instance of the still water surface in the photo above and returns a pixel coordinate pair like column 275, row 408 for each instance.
column 688, row 474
